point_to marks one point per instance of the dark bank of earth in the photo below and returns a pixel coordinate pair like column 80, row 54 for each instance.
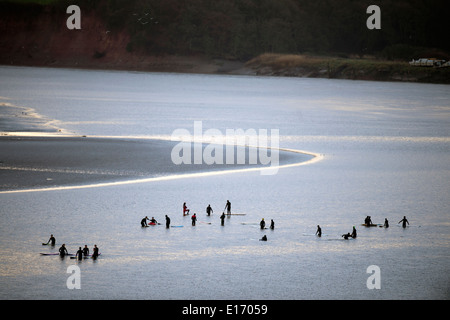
column 37, row 36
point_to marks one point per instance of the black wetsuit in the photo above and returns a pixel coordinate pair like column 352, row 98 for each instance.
column 63, row 251
column 228, row 207
column 222, row 219
column 95, row 253
column 262, row 224
column 52, row 241
column 80, row 254
column 167, row 222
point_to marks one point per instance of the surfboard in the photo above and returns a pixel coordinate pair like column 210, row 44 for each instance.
column 176, row 226
column 55, row 254
column 236, row 214
column 372, row 225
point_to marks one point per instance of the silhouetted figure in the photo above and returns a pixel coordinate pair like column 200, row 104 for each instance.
column 404, row 222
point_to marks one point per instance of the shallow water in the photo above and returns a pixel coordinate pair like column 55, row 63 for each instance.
column 386, row 154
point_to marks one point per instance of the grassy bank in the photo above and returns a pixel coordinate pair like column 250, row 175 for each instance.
column 345, row 68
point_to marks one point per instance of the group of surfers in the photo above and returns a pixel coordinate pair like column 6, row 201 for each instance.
column 80, row 254
column 367, row 223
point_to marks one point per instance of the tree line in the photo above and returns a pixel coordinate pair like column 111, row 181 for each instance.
column 243, row 29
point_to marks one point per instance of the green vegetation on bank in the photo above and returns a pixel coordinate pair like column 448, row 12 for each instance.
column 366, row 68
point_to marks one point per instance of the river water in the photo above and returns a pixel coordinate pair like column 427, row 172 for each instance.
column 384, row 152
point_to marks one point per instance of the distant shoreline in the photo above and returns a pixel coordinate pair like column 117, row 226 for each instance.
column 278, row 65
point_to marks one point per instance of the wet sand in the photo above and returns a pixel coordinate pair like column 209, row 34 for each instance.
column 45, row 162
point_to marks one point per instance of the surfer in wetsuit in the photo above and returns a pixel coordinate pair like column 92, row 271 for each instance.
column 185, row 209
column 144, row 222
column 79, row 254
column 222, row 219
column 368, row 221
column 167, row 221
column 85, row 250
column 63, row 250
column 319, row 231
column 404, row 222
column 228, row 207
column 52, row 240
column 346, row 236
column 272, row 224
column 386, row 223
column 354, row 232
column 209, row 210
column 264, row 238
column 194, row 219
column 153, row 220
column 95, row 253
column 262, row 224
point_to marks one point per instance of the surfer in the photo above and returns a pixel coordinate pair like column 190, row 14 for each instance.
column 386, row 223
column 153, row 220
column 95, row 253
column 262, row 224
column 228, row 207
column 272, row 224
column 368, row 221
column 264, row 238
column 354, row 232
column 144, row 222
column 52, row 240
column 79, row 254
column 194, row 219
column 185, row 209
column 222, row 219
column 404, row 222
column 85, row 250
column 209, row 210
column 319, row 231
column 346, row 236
column 167, row 221
column 63, row 250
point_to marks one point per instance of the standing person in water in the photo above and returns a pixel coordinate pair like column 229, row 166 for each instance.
column 52, row 240
column 144, row 222
column 228, row 207
column 167, row 222
column 386, row 223
column 63, row 250
column 272, row 224
column 222, row 219
column 79, row 253
column 185, row 209
column 262, row 224
column 404, row 222
column 95, row 253
column 85, row 250
column 319, row 231
column 209, row 210
column 194, row 219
